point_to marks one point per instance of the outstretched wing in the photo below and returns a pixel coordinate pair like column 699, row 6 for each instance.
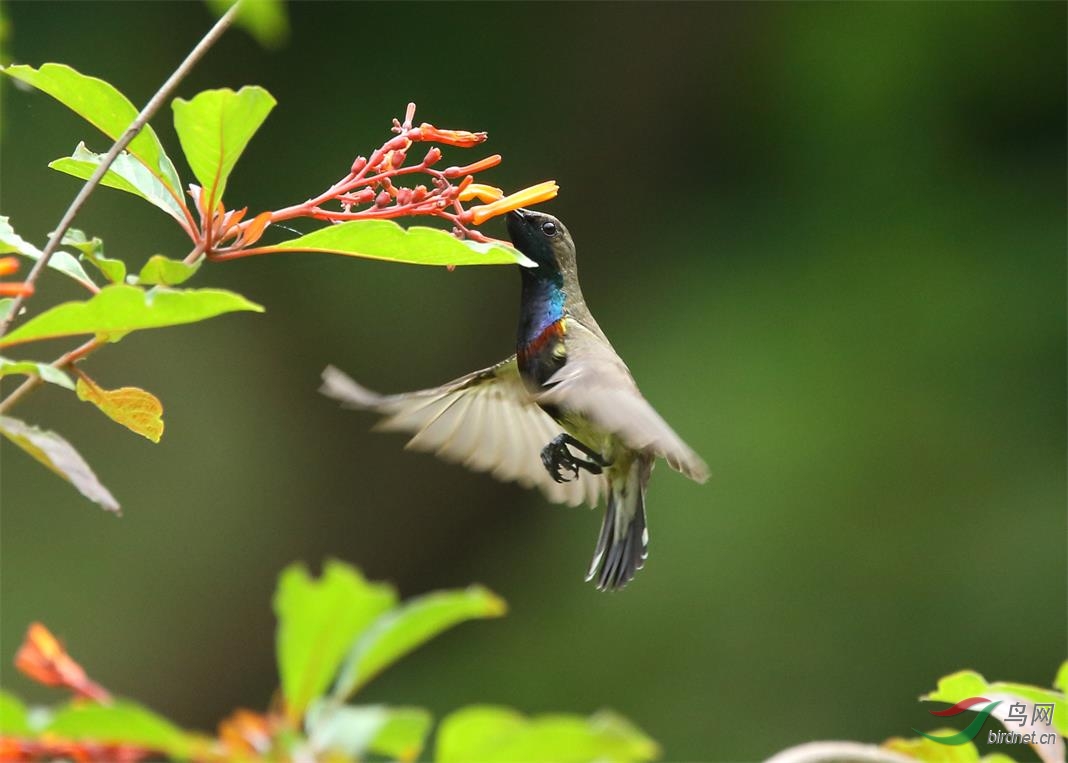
column 486, row 421
column 596, row 383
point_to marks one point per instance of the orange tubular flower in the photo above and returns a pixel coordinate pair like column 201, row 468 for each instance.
column 9, row 265
column 536, row 194
column 43, row 658
column 484, row 193
column 473, row 169
column 458, row 138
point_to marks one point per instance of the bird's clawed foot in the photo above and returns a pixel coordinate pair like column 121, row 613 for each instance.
column 559, row 460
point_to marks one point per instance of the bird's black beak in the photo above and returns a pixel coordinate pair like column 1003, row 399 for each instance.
column 519, row 224
column 517, row 221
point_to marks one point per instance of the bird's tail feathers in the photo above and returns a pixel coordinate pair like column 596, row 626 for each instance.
column 624, row 541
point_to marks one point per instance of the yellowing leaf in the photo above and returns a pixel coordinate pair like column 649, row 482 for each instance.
column 135, row 409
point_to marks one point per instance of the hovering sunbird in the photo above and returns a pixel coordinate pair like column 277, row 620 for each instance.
column 564, row 391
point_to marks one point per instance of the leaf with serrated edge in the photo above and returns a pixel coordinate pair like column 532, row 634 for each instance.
column 121, row 309
column 125, row 174
column 418, row 245
column 46, row 371
column 61, row 261
column 166, row 272
column 139, row 411
column 59, row 456
column 104, row 107
column 215, row 127
column 408, row 627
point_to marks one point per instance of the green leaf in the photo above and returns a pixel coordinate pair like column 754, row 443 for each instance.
column 501, row 735
column 1061, row 681
column 214, row 129
column 385, row 240
column 967, row 683
column 104, row 107
column 126, row 174
column 318, row 620
column 395, row 732
column 165, row 272
column 121, row 723
column 46, row 371
column 59, row 456
column 929, row 751
column 61, row 261
column 121, row 309
column 415, row 622
column 14, row 719
column 265, row 20
column 93, row 251
column 404, row 733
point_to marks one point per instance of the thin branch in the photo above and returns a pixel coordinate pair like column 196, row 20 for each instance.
column 838, row 752
column 62, row 361
column 131, row 132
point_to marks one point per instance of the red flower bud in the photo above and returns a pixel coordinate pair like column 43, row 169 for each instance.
column 358, row 164
column 363, row 196
column 383, row 199
column 433, row 156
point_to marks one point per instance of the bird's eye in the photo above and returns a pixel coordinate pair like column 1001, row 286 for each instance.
column 549, row 229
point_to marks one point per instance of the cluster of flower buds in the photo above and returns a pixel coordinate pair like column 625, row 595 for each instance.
column 375, row 189
column 9, row 266
column 222, row 228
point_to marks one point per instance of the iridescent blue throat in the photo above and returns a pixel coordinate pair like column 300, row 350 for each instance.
column 541, row 304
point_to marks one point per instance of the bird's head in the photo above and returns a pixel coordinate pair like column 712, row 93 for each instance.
column 542, row 238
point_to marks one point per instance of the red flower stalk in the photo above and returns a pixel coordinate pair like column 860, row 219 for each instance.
column 375, row 188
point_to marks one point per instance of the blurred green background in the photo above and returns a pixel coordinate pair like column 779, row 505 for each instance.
column 829, row 240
